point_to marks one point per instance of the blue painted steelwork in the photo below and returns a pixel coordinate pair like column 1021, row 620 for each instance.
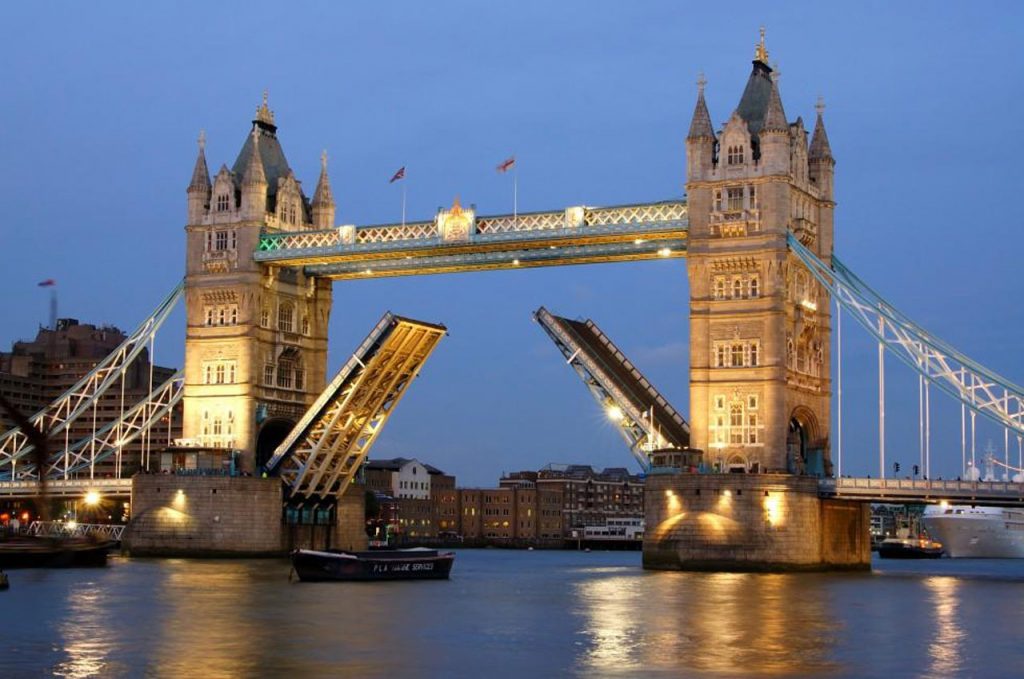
column 979, row 388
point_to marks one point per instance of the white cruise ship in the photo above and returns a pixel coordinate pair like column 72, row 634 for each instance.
column 977, row 532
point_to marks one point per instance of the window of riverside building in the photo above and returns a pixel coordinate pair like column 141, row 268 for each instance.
column 223, row 202
column 737, row 288
column 754, row 286
column 720, row 287
column 752, row 195
column 268, row 374
column 221, row 241
column 735, row 155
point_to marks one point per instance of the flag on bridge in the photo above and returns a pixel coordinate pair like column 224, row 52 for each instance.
column 398, row 175
column 48, row 283
column 507, row 164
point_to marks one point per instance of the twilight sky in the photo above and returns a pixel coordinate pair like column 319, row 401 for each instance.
column 102, row 103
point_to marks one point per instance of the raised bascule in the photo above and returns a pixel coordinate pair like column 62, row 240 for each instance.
column 750, row 480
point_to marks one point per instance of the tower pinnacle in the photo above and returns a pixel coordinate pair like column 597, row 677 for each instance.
column 200, row 174
column 760, row 51
column 263, row 113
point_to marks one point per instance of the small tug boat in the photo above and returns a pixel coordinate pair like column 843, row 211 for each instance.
column 909, row 548
column 398, row 564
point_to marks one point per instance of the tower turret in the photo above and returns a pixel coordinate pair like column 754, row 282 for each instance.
column 254, row 182
column 819, row 156
column 323, row 200
column 774, row 138
column 700, row 142
column 199, row 188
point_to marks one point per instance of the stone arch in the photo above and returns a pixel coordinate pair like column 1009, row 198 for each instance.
column 271, row 434
column 804, row 434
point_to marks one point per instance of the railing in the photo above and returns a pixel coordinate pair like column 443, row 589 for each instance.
column 67, row 487
column 570, row 218
column 73, row 529
column 975, row 492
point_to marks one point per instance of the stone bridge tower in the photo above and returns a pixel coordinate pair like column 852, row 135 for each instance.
column 760, row 325
column 256, row 339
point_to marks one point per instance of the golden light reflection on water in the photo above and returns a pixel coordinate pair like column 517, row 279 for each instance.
column 86, row 636
column 945, row 649
column 713, row 623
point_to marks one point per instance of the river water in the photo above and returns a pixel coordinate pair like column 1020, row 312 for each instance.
column 515, row 614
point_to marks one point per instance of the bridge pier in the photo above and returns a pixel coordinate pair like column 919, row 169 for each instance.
column 229, row 516
column 751, row 522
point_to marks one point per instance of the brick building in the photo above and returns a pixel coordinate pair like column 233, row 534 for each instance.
column 587, row 497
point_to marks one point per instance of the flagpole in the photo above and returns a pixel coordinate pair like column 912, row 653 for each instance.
column 515, row 194
column 403, row 203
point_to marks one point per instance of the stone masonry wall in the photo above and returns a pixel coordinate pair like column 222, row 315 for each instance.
column 205, row 516
column 750, row 522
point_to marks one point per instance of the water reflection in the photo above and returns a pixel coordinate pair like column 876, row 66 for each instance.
column 87, row 639
column 946, row 646
column 714, row 623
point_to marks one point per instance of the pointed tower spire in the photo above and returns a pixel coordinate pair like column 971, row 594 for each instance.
column 820, row 149
column 700, row 125
column 774, row 116
column 254, row 174
column 760, row 51
column 323, row 199
column 200, row 173
column 263, row 112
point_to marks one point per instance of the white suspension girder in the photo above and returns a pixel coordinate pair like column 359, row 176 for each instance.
column 977, row 387
column 14, row 443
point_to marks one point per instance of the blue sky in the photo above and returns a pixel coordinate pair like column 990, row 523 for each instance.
column 102, row 104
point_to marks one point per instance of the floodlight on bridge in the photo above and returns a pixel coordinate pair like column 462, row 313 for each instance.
column 323, row 452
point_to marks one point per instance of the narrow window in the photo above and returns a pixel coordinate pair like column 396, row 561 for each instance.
column 737, row 288
column 753, row 354
column 754, row 287
column 221, row 241
column 268, row 374
column 223, row 203
column 737, row 355
column 736, row 423
column 285, row 316
column 751, row 428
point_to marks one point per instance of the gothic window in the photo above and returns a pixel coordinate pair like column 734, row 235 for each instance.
column 222, row 316
column 223, row 202
column 234, row 239
column 220, row 373
column 234, row 314
column 209, row 241
column 718, row 200
column 753, row 287
column 752, row 402
column 752, row 428
column 735, row 155
column 752, row 197
column 736, row 423
column 719, row 402
column 217, row 426
column 268, row 374
column 265, row 318
column 721, row 356
column 734, row 198
column 221, row 241
column 737, row 355
column 790, row 354
column 208, row 375
column 753, row 354
column 737, row 288
column 720, row 287
column 231, row 372
column 209, row 315
column 300, row 376
column 285, row 317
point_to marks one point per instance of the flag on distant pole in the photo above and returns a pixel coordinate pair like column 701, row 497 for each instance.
column 503, row 167
column 48, row 283
column 507, row 164
column 394, row 178
column 52, row 284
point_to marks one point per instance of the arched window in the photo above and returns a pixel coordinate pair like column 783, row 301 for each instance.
column 754, row 287
column 736, row 423
column 735, row 155
column 737, row 355
column 753, row 353
column 737, row 288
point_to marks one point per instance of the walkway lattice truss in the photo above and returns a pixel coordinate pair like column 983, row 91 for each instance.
column 85, row 394
column 641, row 414
column 977, row 387
column 325, row 449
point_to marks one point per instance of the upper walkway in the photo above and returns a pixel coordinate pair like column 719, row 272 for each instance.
column 458, row 240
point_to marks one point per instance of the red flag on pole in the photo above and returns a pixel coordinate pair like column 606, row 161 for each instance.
column 507, row 164
column 48, row 283
column 398, row 175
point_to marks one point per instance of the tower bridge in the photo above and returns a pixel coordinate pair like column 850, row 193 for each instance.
column 756, row 228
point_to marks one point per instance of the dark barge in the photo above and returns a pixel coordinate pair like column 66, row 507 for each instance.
column 402, row 564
